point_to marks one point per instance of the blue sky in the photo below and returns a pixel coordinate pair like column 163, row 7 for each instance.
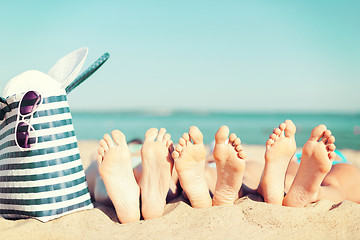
column 282, row 56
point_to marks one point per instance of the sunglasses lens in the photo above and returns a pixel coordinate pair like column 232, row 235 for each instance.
column 30, row 101
column 25, row 135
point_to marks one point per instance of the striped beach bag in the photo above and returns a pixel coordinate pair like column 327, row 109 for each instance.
column 41, row 173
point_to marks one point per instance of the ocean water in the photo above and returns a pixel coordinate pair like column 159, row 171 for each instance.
column 252, row 128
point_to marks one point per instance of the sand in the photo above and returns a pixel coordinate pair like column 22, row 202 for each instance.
column 249, row 218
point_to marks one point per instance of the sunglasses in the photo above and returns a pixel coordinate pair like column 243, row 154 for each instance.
column 25, row 136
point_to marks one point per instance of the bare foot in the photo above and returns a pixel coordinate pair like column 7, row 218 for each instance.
column 316, row 161
column 280, row 148
column 230, row 166
column 189, row 158
column 115, row 168
column 157, row 166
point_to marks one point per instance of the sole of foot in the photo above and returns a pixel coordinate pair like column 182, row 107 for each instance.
column 189, row 158
column 157, row 165
column 230, row 165
column 316, row 161
column 114, row 161
column 280, row 148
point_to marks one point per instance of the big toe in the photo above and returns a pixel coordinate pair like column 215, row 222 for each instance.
column 151, row 134
column 222, row 134
column 118, row 137
column 290, row 129
column 317, row 132
column 196, row 135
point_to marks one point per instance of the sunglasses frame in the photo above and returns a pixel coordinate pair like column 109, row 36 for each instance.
column 27, row 120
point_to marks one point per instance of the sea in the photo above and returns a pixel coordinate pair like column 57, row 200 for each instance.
column 252, row 128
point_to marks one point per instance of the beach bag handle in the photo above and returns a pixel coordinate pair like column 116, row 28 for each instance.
column 66, row 70
column 87, row 73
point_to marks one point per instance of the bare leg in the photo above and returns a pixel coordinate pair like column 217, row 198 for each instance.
column 230, row 166
column 280, row 148
column 211, row 177
column 316, row 161
column 291, row 173
column 156, row 175
column 175, row 189
column 341, row 183
column 115, row 168
column 252, row 175
column 189, row 158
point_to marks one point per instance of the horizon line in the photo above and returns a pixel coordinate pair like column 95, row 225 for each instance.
column 210, row 111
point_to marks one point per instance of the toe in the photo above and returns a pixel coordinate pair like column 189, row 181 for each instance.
column 326, row 135
column 101, row 151
column 317, row 133
column 222, row 134
column 167, row 137
column 331, row 147
column 242, row 154
column 99, row 159
column 151, row 134
column 109, row 140
column 239, row 148
column 332, row 156
column 186, row 137
column 175, row 155
column 179, row 148
column 161, row 134
column 277, row 131
column 232, row 139
column 290, row 129
column 182, row 142
column 282, row 126
column 118, row 137
column 196, row 135
column 269, row 142
column 104, row 145
column 331, row 140
column 237, row 142
column 273, row 136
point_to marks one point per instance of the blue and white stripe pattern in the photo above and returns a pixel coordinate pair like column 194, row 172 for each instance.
column 47, row 181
